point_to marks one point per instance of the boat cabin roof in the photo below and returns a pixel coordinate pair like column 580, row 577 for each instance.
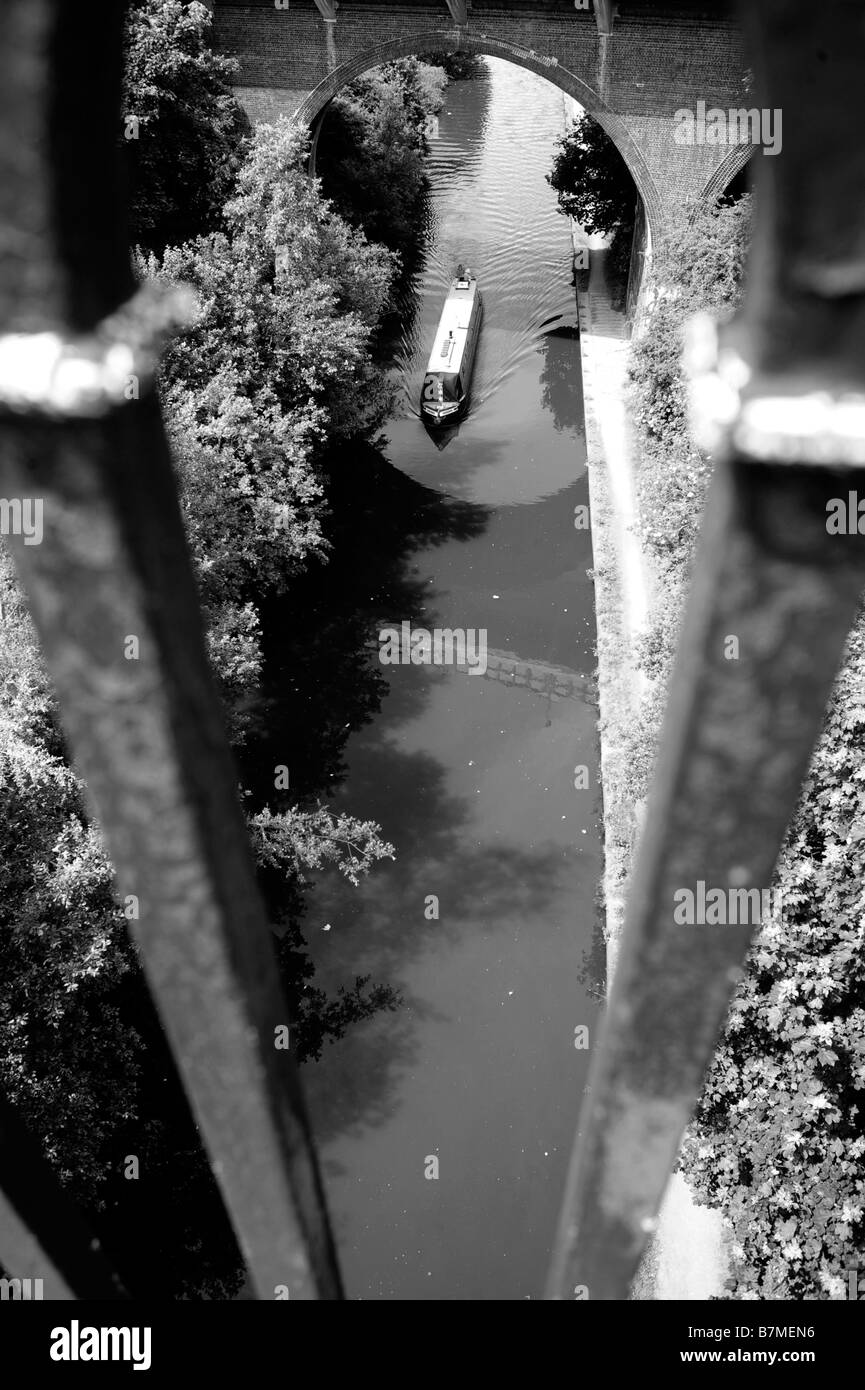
column 451, row 334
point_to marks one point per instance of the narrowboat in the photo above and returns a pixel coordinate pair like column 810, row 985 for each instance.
column 449, row 370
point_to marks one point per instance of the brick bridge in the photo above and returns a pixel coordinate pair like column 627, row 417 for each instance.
column 630, row 65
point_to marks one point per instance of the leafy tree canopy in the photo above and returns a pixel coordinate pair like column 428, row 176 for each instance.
column 371, row 150
column 592, row 180
column 184, row 130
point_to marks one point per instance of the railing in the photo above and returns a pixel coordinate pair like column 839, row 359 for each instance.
column 738, row 734
column 638, row 266
column 147, row 734
column 148, row 737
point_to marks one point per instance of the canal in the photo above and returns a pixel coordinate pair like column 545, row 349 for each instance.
column 445, row 1127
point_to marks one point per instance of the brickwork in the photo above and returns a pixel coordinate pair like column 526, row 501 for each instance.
column 269, row 103
column 658, row 60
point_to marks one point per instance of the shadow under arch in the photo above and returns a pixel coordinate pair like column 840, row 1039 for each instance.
column 444, row 40
column 722, row 176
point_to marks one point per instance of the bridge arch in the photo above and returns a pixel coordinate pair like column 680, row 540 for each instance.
column 732, row 164
column 447, row 41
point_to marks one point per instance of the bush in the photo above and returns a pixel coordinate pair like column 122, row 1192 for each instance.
column 778, row 1137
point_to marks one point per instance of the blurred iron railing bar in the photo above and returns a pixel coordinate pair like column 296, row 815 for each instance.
column 147, row 734
column 738, row 735
column 64, row 1255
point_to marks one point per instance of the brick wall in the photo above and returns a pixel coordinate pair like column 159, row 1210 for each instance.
column 657, row 61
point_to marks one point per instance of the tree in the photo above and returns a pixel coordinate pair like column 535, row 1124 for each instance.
column 276, row 364
column 66, row 1060
column 290, row 297
column 596, row 189
column 456, row 66
column 371, row 150
column 592, row 180
column 183, row 129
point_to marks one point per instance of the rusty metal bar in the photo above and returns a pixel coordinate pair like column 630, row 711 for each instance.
column 783, row 409
column 114, row 601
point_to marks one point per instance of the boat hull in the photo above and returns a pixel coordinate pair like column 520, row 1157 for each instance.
column 447, row 384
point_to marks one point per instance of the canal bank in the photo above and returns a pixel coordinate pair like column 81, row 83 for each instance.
column 621, row 578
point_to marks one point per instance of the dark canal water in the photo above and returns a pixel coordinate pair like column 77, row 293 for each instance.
column 472, row 778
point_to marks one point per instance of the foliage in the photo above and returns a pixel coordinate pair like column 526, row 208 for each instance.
column 233, row 638
column 778, row 1140
column 699, row 268
column 594, row 186
column 323, row 1018
column 290, row 296
column 185, row 152
column 294, row 840
column 371, row 150
column 276, row 365
column 456, row 66
column 63, row 946
column 592, row 180
column 252, row 498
